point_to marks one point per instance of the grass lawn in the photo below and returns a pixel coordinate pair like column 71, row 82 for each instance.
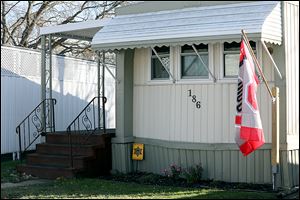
column 9, row 172
column 98, row 188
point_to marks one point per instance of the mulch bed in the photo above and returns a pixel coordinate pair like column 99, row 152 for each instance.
column 155, row 179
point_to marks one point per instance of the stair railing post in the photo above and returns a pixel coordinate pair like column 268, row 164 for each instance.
column 53, row 115
column 71, row 147
column 20, row 147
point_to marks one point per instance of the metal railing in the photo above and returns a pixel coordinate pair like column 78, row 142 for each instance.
column 87, row 122
column 38, row 122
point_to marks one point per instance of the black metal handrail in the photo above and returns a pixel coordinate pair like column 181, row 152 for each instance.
column 39, row 121
column 89, row 125
column 88, row 121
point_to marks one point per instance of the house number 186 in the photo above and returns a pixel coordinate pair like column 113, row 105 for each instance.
column 194, row 100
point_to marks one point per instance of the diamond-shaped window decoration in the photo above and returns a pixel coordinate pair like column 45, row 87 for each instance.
column 166, row 61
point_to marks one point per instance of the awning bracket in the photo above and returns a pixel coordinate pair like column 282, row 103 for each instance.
column 273, row 62
column 105, row 65
column 206, row 67
column 163, row 64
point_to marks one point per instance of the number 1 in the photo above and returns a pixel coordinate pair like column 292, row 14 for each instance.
column 190, row 93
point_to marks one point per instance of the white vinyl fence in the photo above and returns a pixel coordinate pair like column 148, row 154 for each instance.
column 74, row 84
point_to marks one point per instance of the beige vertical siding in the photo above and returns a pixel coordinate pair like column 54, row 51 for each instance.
column 164, row 111
column 291, row 38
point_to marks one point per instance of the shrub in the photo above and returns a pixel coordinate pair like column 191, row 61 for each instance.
column 175, row 172
column 193, row 174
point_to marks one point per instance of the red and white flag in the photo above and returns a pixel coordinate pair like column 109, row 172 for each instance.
column 249, row 133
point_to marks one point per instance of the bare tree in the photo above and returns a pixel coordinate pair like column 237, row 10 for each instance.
column 21, row 21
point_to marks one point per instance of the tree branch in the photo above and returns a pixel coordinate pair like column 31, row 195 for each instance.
column 23, row 30
column 114, row 5
column 30, row 25
column 10, row 7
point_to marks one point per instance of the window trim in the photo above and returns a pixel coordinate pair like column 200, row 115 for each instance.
column 231, row 79
column 154, row 56
column 196, row 79
column 223, row 68
column 158, row 81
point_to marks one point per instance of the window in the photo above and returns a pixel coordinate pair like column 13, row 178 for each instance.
column 232, row 57
column 191, row 66
column 157, row 69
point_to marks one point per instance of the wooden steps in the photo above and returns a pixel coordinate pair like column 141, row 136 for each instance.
column 58, row 160
column 47, row 172
column 64, row 149
column 91, row 157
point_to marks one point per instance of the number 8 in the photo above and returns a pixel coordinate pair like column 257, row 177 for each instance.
column 194, row 99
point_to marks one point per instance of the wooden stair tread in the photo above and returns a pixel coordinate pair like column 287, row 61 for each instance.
column 52, row 158
column 49, row 172
column 59, row 156
column 47, row 167
column 74, row 145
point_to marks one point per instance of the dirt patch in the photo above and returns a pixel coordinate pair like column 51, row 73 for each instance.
column 24, row 183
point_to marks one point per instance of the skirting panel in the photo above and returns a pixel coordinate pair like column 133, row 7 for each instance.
column 227, row 164
column 289, row 162
column 121, row 157
column 223, row 165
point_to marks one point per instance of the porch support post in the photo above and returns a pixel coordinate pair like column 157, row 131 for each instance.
column 275, row 138
column 43, row 79
column 122, row 143
column 103, row 91
column 98, row 88
column 50, row 117
column 46, row 84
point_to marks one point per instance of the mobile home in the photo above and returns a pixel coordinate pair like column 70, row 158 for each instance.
column 183, row 113
column 176, row 84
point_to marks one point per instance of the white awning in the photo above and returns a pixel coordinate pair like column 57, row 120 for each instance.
column 260, row 20
column 81, row 30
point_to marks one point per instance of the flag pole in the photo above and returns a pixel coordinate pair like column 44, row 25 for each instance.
column 275, row 118
column 275, row 138
column 257, row 64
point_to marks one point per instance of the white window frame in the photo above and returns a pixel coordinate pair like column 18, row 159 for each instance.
column 199, row 80
column 224, row 79
column 151, row 81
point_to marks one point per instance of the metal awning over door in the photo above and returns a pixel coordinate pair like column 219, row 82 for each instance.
column 81, row 30
column 261, row 20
